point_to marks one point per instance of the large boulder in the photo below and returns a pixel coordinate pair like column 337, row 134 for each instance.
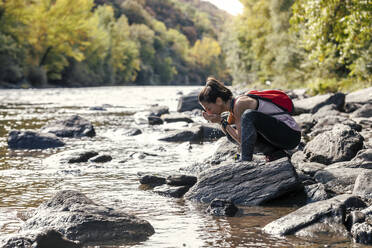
column 316, row 217
column 33, row 140
column 80, row 219
column 363, row 112
column 74, row 126
column 189, row 102
column 313, row 104
column 360, row 96
column 245, row 183
column 339, row 144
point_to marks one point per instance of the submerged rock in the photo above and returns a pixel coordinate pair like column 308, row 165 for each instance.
column 245, row 183
column 171, row 191
column 152, row 180
column 80, row 219
column 101, row 159
column 74, row 126
column 33, row 140
column 79, row 156
column 190, row 134
column 219, row 207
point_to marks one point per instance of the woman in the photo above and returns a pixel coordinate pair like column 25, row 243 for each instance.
column 258, row 123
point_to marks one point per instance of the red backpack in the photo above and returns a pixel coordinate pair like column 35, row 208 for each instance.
column 279, row 98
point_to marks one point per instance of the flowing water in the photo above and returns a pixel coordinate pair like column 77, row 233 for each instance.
column 29, row 177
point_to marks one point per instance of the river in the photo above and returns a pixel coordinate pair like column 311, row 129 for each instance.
column 28, row 178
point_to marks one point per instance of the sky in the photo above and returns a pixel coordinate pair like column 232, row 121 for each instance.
column 233, row 7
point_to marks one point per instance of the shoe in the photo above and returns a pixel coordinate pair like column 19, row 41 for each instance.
column 276, row 155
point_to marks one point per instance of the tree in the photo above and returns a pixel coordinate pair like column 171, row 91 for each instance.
column 337, row 35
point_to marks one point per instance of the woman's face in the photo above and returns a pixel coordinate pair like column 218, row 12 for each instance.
column 213, row 108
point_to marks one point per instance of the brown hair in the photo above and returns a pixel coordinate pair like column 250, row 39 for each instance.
column 213, row 89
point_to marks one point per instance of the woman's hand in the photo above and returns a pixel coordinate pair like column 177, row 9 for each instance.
column 214, row 118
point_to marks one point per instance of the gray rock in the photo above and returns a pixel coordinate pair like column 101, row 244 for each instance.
column 362, row 233
column 313, row 104
column 211, row 132
column 364, row 111
column 41, row 239
column 133, row 132
column 158, row 111
column 298, row 158
column 193, row 134
column 310, row 168
column 171, row 191
column 326, row 111
column 181, row 180
column 74, row 126
column 220, row 207
column 327, row 123
column 305, row 121
column 79, row 219
column 33, row 140
column 316, row 192
column 360, row 96
column 338, row 178
column 328, row 212
column 80, row 156
column 363, row 185
column 245, row 183
column 101, row 159
column 152, row 180
column 340, row 144
column 154, row 120
column 189, row 102
column 170, row 118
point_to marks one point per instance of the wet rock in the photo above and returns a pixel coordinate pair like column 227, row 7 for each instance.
column 340, row 144
column 360, row 96
column 226, row 150
column 170, row 118
column 80, row 156
column 101, row 159
column 245, row 183
column 189, row 102
column 193, row 134
column 181, row 180
column 154, row 120
column 220, row 207
column 33, row 140
column 363, row 185
column 362, row 233
column 52, row 238
column 75, row 126
column 159, row 111
column 41, row 239
column 133, row 132
column 97, row 108
column 79, row 219
column 325, row 215
column 313, row 104
column 152, row 180
column 171, row 191
column 211, row 132
column 315, row 192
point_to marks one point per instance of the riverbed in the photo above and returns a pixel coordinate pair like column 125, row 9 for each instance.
column 29, row 177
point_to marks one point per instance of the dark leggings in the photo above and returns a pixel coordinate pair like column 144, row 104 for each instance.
column 263, row 133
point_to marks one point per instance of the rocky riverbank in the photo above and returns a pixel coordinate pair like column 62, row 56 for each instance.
column 328, row 175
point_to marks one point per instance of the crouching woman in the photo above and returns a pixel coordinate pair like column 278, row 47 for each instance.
column 255, row 124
